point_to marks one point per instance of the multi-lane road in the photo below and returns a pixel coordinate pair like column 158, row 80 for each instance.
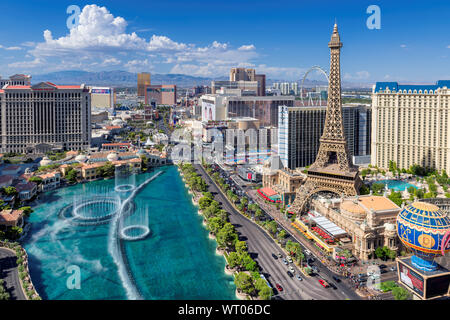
column 9, row 273
column 261, row 246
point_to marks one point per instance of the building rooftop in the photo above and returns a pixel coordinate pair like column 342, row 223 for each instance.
column 10, row 215
column 377, row 203
column 395, row 86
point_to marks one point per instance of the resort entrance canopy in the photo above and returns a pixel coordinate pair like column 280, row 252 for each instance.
column 328, row 226
column 269, row 194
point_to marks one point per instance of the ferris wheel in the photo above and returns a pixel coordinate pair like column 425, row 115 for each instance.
column 311, row 101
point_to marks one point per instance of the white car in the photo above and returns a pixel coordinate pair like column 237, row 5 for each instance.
column 291, row 269
column 289, row 259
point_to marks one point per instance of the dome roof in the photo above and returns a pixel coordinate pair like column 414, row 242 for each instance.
column 45, row 162
column 422, row 226
column 352, row 207
column 112, row 156
column 81, row 158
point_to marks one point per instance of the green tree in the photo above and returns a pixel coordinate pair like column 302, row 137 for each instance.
column 400, row 293
column 241, row 247
column 244, row 283
column 71, row 175
column 234, row 260
column 364, row 189
column 377, row 188
column 204, row 203
column 387, row 286
column 215, row 224
column 272, row 227
column 396, row 197
column 226, row 237
column 265, row 293
column 248, row 263
column 10, row 191
column 26, row 211
column 281, row 235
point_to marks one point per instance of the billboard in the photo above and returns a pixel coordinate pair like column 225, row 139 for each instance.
column 101, row 91
column 411, row 279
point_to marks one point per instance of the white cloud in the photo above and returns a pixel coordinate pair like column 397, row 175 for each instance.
column 101, row 40
column 360, row 75
column 448, row 47
column 403, row 46
column 247, row 47
column 13, row 48
column 111, row 62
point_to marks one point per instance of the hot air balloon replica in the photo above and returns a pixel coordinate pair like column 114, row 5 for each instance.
column 425, row 229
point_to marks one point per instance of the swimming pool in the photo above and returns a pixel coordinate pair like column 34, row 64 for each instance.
column 397, row 185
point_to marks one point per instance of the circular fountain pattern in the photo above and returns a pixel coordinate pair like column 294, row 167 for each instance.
column 96, row 209
column 124, row 188
column 133, row 233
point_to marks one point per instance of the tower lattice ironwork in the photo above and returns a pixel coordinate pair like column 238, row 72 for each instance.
column 333, row 170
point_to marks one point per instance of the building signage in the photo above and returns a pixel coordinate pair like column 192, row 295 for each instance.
column 411, row 279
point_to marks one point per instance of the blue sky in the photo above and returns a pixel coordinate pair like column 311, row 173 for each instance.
column 205, row 38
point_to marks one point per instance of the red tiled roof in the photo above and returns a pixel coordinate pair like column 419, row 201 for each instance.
column 10, row 215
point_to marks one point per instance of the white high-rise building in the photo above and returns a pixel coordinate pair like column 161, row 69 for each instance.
column 411, row 125
column 44, row 117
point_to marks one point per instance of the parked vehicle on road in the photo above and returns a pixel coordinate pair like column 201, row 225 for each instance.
column 291, row 269
column 336, row 278
column 298, row 277
column 279, row 288
column 289, row 259
column 274, row 256
column 280, row 255
column 289, row 274
column 285, row 262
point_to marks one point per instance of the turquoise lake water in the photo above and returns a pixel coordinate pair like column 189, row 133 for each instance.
column 177, row 261
column 397, row 185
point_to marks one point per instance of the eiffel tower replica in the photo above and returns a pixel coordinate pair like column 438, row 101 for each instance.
column 333, row 170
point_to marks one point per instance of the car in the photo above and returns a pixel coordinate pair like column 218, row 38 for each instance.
column 289, row 274
column 333, row 286
column 298, row 277
column 361, row 275
column 279, row 288
column 307, row 252
column 289, row 259
column 382, row 266
column 291, row 269
column 383, row 271
column 393, row 268
column 285, row 262
column 323, row 283
column 314, row 268
column 311, row 259
column 274, row 256
column 336, row 278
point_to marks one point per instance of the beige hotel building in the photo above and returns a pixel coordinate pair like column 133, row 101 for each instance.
column 411, row 125
column 44, row 117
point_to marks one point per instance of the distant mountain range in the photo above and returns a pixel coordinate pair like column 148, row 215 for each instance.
column 128, row 79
